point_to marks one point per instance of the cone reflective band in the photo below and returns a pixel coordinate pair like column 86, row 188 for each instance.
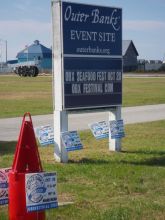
column 26, row 160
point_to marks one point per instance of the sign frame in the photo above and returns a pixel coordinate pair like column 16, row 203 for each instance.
column 61, row 56
column 60, row 111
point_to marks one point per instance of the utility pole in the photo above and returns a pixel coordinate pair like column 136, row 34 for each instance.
column 5, row 41
column 164, row 58
column 6, row 51
column 27, row 48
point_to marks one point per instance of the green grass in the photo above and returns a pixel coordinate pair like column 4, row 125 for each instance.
column 20, row 94
column 102, row 185
column 143, row 91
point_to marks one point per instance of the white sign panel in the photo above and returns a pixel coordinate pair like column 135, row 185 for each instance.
column 4, row 186
column 117, row 129
column 71, row 141
column 45, row 135
column 41, row 191
column 100, row 130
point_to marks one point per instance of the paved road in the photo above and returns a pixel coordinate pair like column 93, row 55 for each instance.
column 9, row 128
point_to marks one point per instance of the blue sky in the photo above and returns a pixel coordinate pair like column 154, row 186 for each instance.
column 23, row 21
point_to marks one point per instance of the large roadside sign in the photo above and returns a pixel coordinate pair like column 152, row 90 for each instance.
column 91, row 48
column 91, row 30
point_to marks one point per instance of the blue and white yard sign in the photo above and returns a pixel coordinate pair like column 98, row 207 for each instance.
column 100, row 130
column 117, row 129
column 71, row 140
column 92, row 56
column 4, row 183
column 45, row 135
column 41, row 191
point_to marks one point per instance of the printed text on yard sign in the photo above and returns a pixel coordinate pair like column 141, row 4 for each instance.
column 41, row 191
column 71, row 140
column 45, row 134
column 4, row 183
column 100, row 129
column 117, row 129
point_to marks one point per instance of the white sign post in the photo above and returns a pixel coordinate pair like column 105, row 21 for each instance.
column 60, row 125
column 114, row 144
column 60, row 115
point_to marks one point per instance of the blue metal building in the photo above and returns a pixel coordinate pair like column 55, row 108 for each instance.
column 36, row 51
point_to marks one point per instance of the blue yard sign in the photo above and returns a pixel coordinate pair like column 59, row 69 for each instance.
column 71, row 141
column 117, row 129
column 45, row 134
column 41, row 191
column 100, row 129
column 92, row 56
column 4, row 184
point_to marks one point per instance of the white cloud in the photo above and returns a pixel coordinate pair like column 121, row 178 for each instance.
column 143, row 25
column 22, row 5
column 27, row 26
column 28, row 7
column 23, row 32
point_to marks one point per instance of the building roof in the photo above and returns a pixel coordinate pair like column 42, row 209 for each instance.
column 36, row 48
column 126, row 45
